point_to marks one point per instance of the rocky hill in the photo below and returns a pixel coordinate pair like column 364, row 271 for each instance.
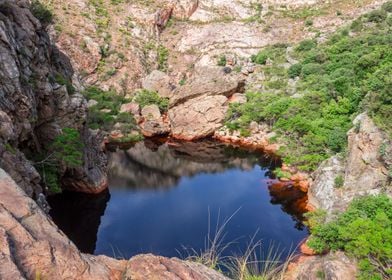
column 189, row 69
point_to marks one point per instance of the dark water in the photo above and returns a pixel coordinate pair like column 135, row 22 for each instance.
column 164, row 197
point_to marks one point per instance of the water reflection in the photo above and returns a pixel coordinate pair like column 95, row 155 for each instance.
column 157, row 165
column 78, row 215
column 162, row 194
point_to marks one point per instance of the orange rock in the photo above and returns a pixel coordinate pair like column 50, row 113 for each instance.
column 303, row 185
column 285, row 167
column 306, row 250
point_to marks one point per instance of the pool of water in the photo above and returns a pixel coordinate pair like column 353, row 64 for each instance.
column 167, row 198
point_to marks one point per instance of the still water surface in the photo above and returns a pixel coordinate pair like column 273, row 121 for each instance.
column 166, row 197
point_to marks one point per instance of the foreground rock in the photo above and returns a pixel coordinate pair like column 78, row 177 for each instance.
column 334, row 266
column 33, row 247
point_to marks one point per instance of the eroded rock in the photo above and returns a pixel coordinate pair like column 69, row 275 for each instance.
column 198, row 117
column 34, row 107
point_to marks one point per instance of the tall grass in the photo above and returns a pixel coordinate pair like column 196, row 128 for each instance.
column 253, row 264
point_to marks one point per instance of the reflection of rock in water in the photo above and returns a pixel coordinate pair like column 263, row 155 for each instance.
column 153, row 165
column 293, row 200
column 79, row 216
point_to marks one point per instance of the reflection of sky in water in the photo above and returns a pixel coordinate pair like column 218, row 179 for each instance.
column 162, row 221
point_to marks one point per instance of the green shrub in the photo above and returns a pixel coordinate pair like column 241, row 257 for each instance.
column 370, row 218
column 66, row 150
column 295, row 70
column 41, row 12
column 107, row 100
column 339, row 181
column 338, row 79
column 61, row 80
column 387, row 6
column 308, row 22
column 68, row 147
column 281, row 174
column 145, row 97
column 163, row 56
column 222, row 60
column 377, row 16
column 306, row 45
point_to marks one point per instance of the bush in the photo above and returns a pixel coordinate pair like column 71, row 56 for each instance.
column 377, row 16
column 306, row 45
column 66, row 150
column 222, row 60
column 338, row 79
column 387, row 6
column 295, row 70
column 145, row 97
column 107, row 100
column 41, row 12
column 61, row 80
column 163, row 56
column 68, row 147
column 260, row 58
column 370, row 218
column 339, row 181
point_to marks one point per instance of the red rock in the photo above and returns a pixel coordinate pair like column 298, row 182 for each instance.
column 306, row 250
column 303, row 185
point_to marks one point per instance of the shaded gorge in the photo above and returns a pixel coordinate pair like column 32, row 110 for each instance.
column 166, row 196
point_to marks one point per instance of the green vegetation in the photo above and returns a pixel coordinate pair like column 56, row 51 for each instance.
column 66, row 150
column 370, row 218
column 41, row 12
column 281, row 174
column 61, row 80
column 222, row 60
column 163, row 56
column 339, row 181
column 347, row 74
column 146, row 97
column 106, row 113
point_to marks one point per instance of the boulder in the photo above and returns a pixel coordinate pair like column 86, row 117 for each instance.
column 132, row 108
column 151, row 112
column 198, row 117
column 153, row 123
column 208, row 82
column 334, row 266
column 148, row 266
column 183, row 9
column 159, row 82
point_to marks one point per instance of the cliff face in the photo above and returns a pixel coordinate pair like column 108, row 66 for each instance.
column 37, row 100
column 363, row 172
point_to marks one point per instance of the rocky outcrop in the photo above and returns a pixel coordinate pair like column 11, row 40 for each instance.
column 334, row 266
column 153, row 123
column 37, row 101
column 364, row 168
column 154, row 267
column 198, row 108
column 159, row 82
column 362, row 172
column 32, row 247
column 323, row 193
column 198, row 117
